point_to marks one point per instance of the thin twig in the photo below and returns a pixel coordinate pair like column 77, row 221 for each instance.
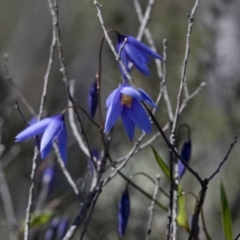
column 176, row 115
column 6, row 196
column 224, row 159
column 64, row 170
column 20, row 113
column 91, row 212
column 151, row 179
column 49, row 67
column 194, row 227
column 53, row 6
column 73, row 124
column 122, row 47
column 43, row 99
column 161, row 74
column 79, row 219
column 30, row 195
column 184, row 68
column 144, row 19
column 171, row 147
column 99, row 14
column 151, row 208
column 191, row 96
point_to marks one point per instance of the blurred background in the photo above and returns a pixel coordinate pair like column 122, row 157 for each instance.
column 213, row 116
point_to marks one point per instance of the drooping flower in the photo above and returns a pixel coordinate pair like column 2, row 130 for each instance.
column 186, row 155
column 136, row 52
column 123, row 212
column 92, row 99
column 125, row 102
column 53, row 128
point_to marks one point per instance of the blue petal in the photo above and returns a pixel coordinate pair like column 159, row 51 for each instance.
column 46, row 151
column 124, row 212
column 130, row 91
column 62, row 144
column 111, row 96
column 139, row 116
column 92, row 99
column 144, row 48
column 181, row 169
column 147, row 99
column 137, row 58
column 33, row 130
column 128, row 124
column 186, row 155
column 114, row 111
column 62, row 227
column 50, row 134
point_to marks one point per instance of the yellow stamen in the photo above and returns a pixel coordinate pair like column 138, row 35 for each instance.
column 126, row 100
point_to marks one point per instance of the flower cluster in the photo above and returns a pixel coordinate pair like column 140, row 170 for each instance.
column 124, row 101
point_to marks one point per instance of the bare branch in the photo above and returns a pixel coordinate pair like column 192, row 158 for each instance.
column 144, row 19
column 99, row 14
column 53, row 6
column 49, row 67
column 224, row 159
column 151, row 208
column 161, row 74
column 30, row 195
column 64, row 170
column 90, row 214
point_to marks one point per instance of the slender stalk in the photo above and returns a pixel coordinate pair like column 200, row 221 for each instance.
column 151, row 208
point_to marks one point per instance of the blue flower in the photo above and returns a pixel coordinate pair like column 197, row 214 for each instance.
column 92, row 99
column 53, row 128
column 123, row 212
column 186, row 155
column 125, row 102
column 136, row 52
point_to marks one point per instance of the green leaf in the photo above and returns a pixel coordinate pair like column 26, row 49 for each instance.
column 38, row 219
column 161, row 163
column 226, row 215
column 182, row 216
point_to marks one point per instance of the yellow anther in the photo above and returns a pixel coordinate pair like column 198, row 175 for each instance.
column 126, row 100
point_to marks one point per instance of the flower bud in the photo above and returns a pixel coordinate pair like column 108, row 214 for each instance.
column 123, row 212
column 92, row 99
column 186, row 155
